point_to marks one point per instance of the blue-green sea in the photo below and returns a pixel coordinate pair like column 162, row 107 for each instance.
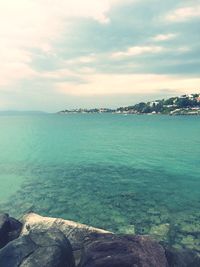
column 127, row 174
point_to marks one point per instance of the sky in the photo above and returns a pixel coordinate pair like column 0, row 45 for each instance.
column 64, row 54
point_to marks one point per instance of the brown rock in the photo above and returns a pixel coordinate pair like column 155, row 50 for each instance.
column 108, row 250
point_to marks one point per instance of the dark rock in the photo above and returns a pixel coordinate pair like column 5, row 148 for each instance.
column 15, row 251
column 15, row 228
column 182, row 258
column 4, row 229
column 38, row 249
column 10, row 229
column 107, row 250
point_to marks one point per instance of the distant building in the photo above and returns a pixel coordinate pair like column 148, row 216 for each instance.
column 170, row 106
column 154, row 103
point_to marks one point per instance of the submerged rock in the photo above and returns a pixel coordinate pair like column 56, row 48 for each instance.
column 38, row 249
column 189, row 228
column 108, row 250
column 191, row 242
column 10, row 229
column 160, row 232
column 130, row 229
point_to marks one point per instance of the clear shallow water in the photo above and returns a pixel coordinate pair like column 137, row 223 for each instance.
column 121, row 173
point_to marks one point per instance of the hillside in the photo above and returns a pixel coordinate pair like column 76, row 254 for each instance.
column 182, row 105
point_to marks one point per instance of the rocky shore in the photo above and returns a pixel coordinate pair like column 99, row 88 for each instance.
column 36, row 241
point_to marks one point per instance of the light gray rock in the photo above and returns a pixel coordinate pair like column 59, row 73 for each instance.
column 75, row 232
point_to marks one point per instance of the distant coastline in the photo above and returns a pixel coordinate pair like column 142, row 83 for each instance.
column 21, row 112
column 174, row 106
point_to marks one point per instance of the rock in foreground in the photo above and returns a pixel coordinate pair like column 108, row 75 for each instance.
column 52, row 242
column 10, row 229
column 75, row 232
column 38, row 249
column 108, row 250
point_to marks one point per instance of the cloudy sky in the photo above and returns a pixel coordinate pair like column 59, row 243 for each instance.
column 86, row 53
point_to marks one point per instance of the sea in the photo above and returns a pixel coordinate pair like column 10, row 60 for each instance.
column 134, row 174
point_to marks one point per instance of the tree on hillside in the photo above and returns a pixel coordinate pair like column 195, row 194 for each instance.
column 185, row 102
column 140, row 107
column 169, row 101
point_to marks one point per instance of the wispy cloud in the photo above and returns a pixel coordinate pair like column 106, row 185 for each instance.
column 164, row 37
column 137, row 50
column 184, row 14
column 81, row 60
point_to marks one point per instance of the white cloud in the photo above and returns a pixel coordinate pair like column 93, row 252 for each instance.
column 184, row 14
column 164, row 37
column 137, row 50
column 151, row 49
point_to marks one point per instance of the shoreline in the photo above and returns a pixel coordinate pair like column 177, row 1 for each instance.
column 182, row 105
column 125, row 114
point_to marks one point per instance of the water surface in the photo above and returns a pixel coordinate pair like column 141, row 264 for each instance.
column 123, row 173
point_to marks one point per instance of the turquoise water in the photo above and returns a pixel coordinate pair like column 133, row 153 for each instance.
column 123, row 173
